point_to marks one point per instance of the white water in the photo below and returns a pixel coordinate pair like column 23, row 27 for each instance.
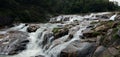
column 113, row 17
column 35, row 46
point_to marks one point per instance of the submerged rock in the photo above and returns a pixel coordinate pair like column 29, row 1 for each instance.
column 13, row 43
column 39, row 56
column 47, row 38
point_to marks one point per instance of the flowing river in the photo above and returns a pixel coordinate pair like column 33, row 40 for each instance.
column 52, row 48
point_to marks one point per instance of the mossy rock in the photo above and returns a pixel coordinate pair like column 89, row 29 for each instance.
column 56, row 30
column 91, row 34
column 115, row 36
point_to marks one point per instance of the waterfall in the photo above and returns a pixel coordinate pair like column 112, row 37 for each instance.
column 113, row 17
column 39, row 45
column 36, row 47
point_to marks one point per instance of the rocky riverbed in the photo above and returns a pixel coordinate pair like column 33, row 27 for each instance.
column 93, row 35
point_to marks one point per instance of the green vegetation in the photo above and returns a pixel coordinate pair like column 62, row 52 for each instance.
column 107, row 23
column 56, row 30
column 41, row 10
column 115, row 36
column 96, row 33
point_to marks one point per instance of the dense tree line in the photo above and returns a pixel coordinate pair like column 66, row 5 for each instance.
column 40, row 10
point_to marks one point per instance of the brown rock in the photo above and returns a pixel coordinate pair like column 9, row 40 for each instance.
column 90, row 33
column 101, row 28
column 32, row 28
column 103, row 52
column 61, row 33
column 99, row 51
column 113, row 51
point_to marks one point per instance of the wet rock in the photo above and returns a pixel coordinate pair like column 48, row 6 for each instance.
column 66, row 19
column 98, row 40
column 60, row 26
column 76, row 22
column 118, row 17
column 60, row 32
column 90, row 33
column 110, row 52
column 99, row 51
column 90, row 40
column 116, row 44
column 69, row 37
column 90, row 26
column 2, row 36
column 47, row 38
column 113, row 51
column 78, row 49
column 32, row 28
column 105, row 16
column 106, row 54
column 40, row 56
column 69, row 26
column 109, row 31
column 101, row 28
column 13, row 43
column 114, row 24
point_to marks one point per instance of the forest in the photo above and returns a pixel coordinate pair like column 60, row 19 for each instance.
column 41, row 10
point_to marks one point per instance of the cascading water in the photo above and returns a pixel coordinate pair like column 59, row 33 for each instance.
column 52, row 48
column 113, row 17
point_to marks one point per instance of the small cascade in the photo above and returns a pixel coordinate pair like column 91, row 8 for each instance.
column 43, row 43
column 19, row 27
column 113, row 17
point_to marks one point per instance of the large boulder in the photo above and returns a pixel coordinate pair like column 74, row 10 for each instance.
column 78, row 49
column 32, row 28
column 58, row 32
column 47, row 38
column 13, row 42
column 99, row 51
column 90, row 33
column 109, row 52
column 101, row 28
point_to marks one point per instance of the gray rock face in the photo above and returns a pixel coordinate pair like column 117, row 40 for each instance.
column 47, row 37
column 13, row 43
column 99, row 51
column 78, row 49
column 61, row 32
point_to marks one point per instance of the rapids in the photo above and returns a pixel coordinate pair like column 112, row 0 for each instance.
column 52, row 49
